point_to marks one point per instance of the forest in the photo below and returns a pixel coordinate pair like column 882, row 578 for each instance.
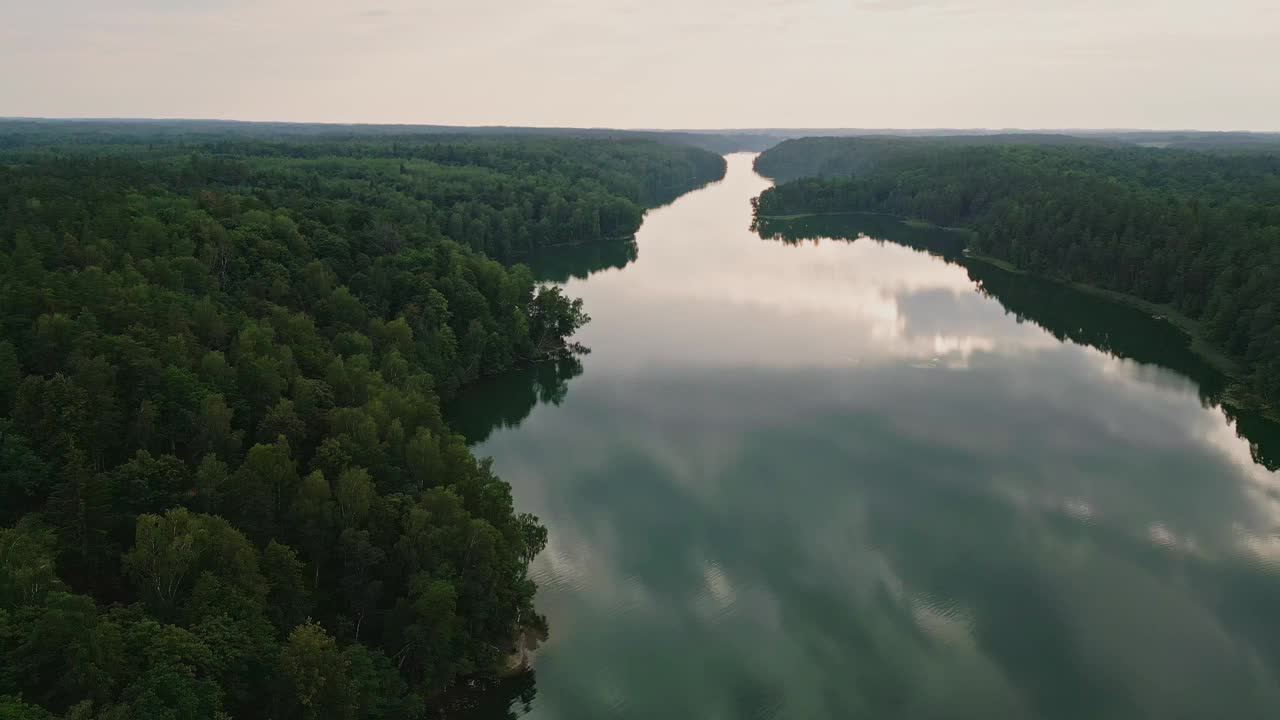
column 226, row 486
column 1196, row 232
column 46, row 131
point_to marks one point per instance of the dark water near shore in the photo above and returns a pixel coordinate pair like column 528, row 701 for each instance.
column 850, row 477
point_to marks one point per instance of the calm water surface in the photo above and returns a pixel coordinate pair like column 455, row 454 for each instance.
column 851, row 478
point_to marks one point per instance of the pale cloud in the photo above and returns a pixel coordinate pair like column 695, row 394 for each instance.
column 660, row 63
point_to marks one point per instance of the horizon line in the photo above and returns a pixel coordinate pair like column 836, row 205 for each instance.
column 742, row 130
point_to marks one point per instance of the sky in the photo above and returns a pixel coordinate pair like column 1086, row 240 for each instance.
column 1166, row 64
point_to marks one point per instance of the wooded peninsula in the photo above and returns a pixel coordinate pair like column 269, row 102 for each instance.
column 226, row 487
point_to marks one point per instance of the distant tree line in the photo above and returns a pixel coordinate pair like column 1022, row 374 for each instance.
column 844, row 156
column 16, row 132
column 1197, row 231
column 226, row 487
column 503, row 196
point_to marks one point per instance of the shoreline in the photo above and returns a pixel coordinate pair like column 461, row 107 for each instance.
column 911, row 222
column 801, row 216
column 1193, row 329
column 1190, row 327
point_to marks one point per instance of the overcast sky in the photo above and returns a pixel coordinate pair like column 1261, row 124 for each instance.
column 651, row 63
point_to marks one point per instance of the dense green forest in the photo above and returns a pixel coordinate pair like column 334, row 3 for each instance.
column 1198, row 232
column 226, row 488
column 43, row 131
column 842, row 156
column 822, row 156
column 503, row 196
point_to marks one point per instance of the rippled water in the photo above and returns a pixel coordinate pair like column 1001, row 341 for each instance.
column 852, row 478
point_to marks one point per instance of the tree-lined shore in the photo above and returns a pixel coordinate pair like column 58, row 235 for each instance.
column 226, row 486
column 1198, row 232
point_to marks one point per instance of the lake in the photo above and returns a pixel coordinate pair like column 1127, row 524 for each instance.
column 843, row 471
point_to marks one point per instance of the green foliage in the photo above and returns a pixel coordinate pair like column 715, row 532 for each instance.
column 317, row 675
column 552, row 318
column 171, row 550
column 167, row 692
column 845, row 156
column 225, row 482
column 1197, row 231
column 27, row 556
column 25, row 478
column 12, row 708
column 288, row 599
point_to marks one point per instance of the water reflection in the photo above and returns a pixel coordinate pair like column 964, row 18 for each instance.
column 1118, row 330
column 506, row 400
column 848, row 479
column 502, row 698
column 558, row 264
column 1262, row 434
column 1068, row 314
column 948, row 244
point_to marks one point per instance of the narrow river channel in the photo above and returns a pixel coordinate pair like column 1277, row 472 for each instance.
column 866, row 477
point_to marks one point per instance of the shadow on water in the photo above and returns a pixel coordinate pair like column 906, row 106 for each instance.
column 494, row 699
column 558, row 264
column 1118, row 330
column 504, row 401
column 1263, row 436
column 1064, row 312
column 947, row 244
